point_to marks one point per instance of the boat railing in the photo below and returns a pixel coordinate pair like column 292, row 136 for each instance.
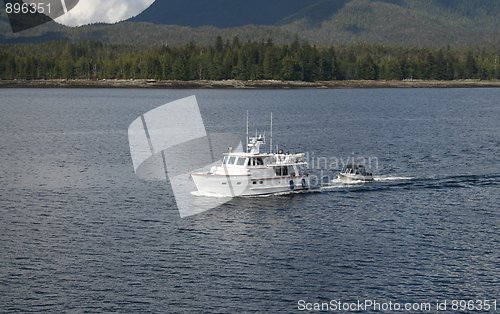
column 288, row 158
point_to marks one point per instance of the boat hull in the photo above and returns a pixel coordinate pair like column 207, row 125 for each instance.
column 245, row 185
column 355, row 177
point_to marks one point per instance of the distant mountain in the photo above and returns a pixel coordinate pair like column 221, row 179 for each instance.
column 467, row 8
column 234, row 13
column 316, row 13
column 321, row 22
column 221, row 13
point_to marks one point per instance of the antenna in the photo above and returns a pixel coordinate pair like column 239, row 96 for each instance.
column 246, row 149
column 271, row 135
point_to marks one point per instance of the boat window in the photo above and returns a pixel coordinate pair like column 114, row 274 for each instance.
column 256, row 161
column 231, row 160
column 241, row 161
column 281, row 171
column 224, row 161
column 291, row 171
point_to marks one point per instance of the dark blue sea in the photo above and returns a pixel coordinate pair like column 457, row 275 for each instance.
column 80, row 232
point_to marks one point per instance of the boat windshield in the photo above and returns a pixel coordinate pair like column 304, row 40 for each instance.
column 241, row 161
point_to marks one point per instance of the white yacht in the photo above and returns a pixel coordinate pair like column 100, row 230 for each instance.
column 253, row 172
column 355, row 172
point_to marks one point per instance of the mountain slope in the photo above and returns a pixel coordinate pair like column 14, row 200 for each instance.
column 234, row 13
column 467, row 8
column 415, row 23
column 321, row 22
column 316, row 13
column 220, row 13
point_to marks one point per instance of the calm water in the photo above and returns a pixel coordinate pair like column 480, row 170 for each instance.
column 80, row 232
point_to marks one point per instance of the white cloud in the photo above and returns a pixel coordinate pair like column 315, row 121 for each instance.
column 109, row 11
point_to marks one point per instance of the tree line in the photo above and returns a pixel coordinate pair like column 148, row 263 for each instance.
column 263, row 60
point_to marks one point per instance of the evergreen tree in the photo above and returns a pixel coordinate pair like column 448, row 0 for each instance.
column 249, row 60
column 470, row 66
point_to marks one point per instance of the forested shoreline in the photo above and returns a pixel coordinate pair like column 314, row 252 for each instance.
column 236, row 60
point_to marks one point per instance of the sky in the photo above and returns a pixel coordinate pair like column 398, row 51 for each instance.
column 109, row 11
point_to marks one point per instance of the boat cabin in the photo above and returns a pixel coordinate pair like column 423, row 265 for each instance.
column 355, row 169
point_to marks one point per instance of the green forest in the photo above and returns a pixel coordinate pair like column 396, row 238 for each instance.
column 233, row 59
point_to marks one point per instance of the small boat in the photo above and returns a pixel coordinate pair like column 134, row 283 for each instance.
column 355, row 172
column 252, row 172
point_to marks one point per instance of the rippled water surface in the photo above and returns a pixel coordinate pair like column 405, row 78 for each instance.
column 80, row 232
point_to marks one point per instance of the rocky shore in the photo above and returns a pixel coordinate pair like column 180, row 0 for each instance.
column 200, row 84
